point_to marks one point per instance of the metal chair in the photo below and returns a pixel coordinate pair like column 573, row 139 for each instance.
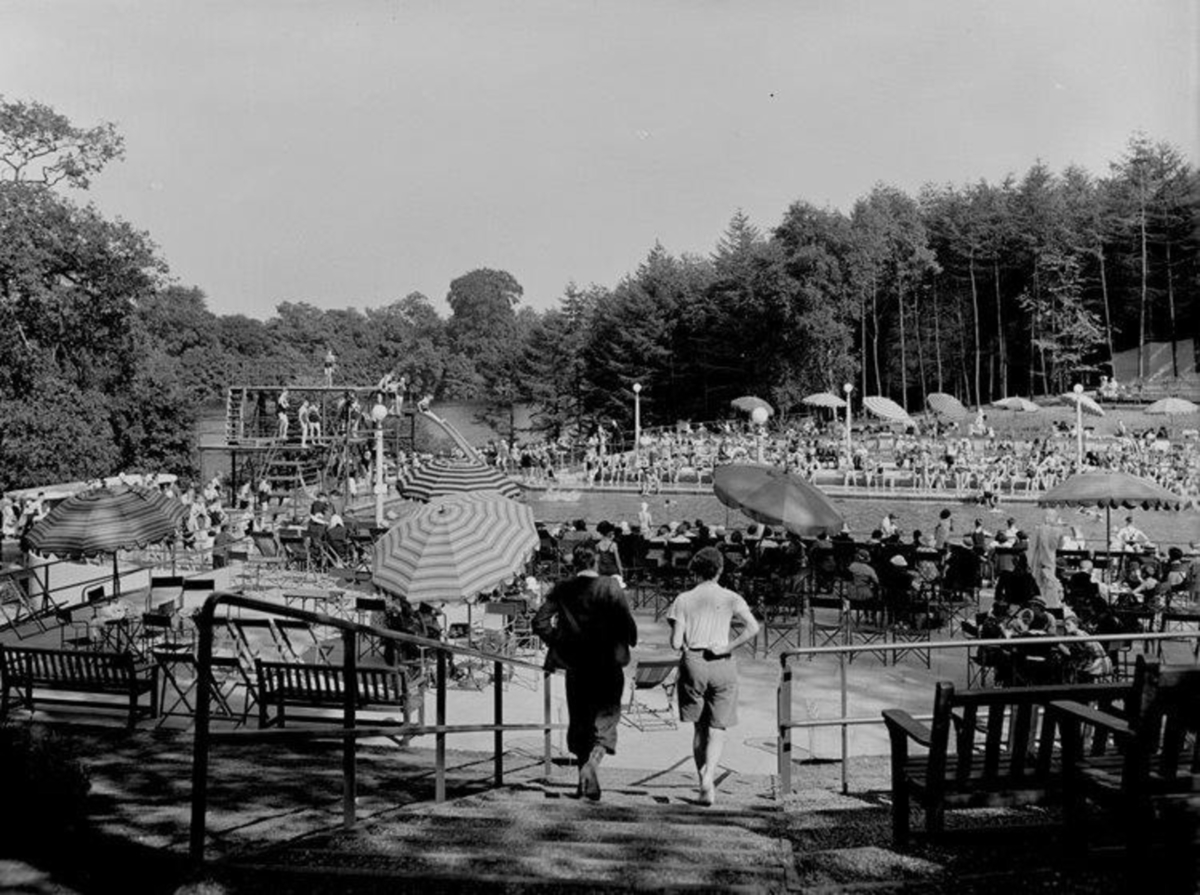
column 645, row 675
column 868, row 621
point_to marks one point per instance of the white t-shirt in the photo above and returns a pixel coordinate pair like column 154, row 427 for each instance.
column 704, row 614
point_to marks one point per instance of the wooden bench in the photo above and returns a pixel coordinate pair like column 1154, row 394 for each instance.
column 1003, row 751
column 1154, row 763
column 289, row 684
column 28, row 669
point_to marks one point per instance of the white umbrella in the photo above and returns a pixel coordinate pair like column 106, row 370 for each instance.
column 1021, row 405
column 824, row 399
column 1173, row 407
column 1086, row 404
column 886, row 408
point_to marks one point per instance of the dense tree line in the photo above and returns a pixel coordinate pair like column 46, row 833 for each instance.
column 982, row 290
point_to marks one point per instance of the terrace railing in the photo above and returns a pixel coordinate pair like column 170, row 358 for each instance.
column 784, row 697
column 350, row 732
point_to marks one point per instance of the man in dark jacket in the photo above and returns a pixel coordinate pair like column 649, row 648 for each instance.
column 589, row 630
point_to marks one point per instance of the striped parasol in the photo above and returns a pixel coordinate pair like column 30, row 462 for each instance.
column 1086, row 404
column 105, row 520
column 886, row 408
column 824, row 399
column 1173, row 407
column 440, row 478
column 455, row 548
column 946, row 405
column 749, row 404
column 1021, row 405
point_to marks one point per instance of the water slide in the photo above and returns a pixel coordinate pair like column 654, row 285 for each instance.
column 451, row 432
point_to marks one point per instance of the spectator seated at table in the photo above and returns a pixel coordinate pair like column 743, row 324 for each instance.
column 1081, row 585
column 1016, row 586
column 963, row 570
column 863, row 577
column 899, row 584
column 1130, row 538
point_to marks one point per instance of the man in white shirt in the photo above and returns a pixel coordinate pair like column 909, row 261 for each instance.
column 700, row 627
column 1130, row 537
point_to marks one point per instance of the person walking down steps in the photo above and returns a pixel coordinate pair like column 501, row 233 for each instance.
column 701, row 620
column 588, row 630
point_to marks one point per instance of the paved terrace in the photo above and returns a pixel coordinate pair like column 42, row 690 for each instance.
column 276, row 810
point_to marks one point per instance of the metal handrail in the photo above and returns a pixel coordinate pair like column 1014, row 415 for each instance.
column 350, row 732
column 783, row 705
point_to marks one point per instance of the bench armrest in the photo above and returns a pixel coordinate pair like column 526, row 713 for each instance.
column 900, row 721
column 1075, row 712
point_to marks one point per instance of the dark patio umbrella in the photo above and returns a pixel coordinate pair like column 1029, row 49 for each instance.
column 105, row 520
column 1109, row 489
column 776, row 497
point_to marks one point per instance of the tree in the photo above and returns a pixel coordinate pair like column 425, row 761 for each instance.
column 40, row 145
column 70, row 283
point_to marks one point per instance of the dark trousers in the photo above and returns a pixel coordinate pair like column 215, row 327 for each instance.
column 594, row 706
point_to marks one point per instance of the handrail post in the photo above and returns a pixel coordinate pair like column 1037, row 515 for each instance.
column 439, row 789
column 784, row 708
column 349, row 742
column 546, row 715
column 498, row 719
column 200, row 744
column 845, row 727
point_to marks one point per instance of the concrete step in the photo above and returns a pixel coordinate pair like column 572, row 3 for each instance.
column 646, row 832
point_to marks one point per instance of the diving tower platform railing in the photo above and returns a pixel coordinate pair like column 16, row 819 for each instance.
column 331, row 442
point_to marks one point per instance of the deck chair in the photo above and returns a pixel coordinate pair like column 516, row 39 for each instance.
column 645, row 675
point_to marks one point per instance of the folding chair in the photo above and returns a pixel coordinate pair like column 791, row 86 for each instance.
column 364, row 611
column 81, row 633
column 164, row 589
column 647, row 674
column 867, row 619
column 195, row 591
column 782, row 616
column 831, row 626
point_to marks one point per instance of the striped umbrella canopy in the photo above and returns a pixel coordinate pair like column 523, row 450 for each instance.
column 886, row 408
column 105, row 520
column 1173, row 407
column 776, row 497
column 945, row 405
column 824, row 399
column 1021, row 405
column 1086, row 404
column 441, row 477
column 749, row 404
column 455, row 548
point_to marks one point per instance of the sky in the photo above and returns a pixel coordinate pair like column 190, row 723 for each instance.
column 348, row 153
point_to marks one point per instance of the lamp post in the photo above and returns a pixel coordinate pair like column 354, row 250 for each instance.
column 1079, row 425
column 759, row 417
column 379, row 413
column 848, row 388
column 637, row 425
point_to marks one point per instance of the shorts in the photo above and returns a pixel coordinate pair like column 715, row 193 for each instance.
column 708, row 690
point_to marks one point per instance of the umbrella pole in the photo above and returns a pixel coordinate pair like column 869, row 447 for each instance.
column 116, row 577
column 1108, row 544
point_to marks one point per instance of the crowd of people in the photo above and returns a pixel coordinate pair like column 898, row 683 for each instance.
column 987, row 468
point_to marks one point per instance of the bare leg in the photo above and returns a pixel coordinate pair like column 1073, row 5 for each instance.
column 712, row 758
column 700, row 750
